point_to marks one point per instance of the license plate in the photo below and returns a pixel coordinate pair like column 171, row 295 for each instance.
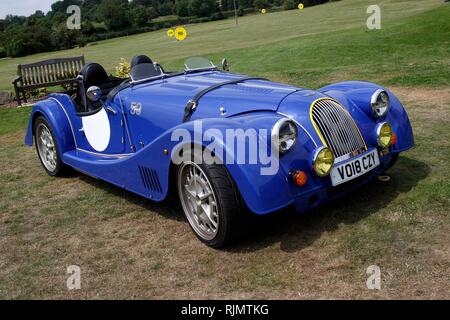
column 355, row 168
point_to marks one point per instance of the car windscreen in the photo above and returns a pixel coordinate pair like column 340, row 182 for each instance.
column 145, row 71
column 198, row 63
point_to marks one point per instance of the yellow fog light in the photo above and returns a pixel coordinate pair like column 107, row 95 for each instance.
column 323, row 161
column 384, row 135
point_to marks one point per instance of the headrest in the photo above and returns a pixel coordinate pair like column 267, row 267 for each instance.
column 140, row 60
column 93, row 75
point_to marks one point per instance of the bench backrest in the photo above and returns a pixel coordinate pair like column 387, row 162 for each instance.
column 50, row 71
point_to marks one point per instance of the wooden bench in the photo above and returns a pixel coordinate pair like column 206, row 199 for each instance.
column 44, row 74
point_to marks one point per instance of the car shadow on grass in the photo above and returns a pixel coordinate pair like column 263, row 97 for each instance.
column 169, row 208
column 292, row 230
column 297, row 231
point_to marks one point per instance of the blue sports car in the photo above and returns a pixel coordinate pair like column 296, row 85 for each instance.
column 228, row 144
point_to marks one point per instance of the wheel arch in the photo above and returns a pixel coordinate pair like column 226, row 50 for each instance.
column 58, row 119
column 248, row 180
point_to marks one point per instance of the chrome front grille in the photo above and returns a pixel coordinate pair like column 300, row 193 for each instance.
column 337, row 128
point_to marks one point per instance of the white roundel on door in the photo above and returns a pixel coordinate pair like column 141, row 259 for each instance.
column 97, row 130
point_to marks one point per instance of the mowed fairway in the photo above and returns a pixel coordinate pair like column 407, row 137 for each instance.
column 129, row 247
column 224, row 35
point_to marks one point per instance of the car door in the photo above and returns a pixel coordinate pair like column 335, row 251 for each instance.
column 102, row 131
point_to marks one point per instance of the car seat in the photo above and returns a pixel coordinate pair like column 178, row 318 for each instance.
column 141, row 67
column 93, row 74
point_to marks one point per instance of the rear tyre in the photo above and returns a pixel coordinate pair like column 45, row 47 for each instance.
column 211, row 202
column 47, row 148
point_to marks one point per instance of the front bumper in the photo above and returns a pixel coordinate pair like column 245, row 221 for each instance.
column 321, row 190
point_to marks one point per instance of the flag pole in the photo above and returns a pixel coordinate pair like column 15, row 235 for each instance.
column 235, row 12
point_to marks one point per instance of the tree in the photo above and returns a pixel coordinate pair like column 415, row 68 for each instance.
column 21, row 40
column 166, row 8
column 145, row 3
column 152, row 13
column 261, row 4
column 91, row 3
column 58, row 18
column 202, row 8
column 38, row 18
column 182, row 8
column 114, row 13
column 10, row 19
column 13, row 45
column 139, row 15
column 290, row 4
column 61, row 6
column 37, row 39
column 63, row 38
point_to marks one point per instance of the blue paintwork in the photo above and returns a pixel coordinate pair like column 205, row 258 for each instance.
column 254, row 104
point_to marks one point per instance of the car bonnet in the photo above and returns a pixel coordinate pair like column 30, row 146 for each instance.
column 224, row 101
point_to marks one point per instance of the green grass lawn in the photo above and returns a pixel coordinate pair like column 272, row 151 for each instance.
column 302, row 28
column 129, row 247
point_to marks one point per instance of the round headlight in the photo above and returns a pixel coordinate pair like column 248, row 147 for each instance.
column 384, row 135
column 380, row 103
column 323, row 161
column 284, row 135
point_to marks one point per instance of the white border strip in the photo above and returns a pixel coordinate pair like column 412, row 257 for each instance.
column 68, row 119
column 125, row 155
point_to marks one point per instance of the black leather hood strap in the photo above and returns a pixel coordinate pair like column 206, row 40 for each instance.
column 193, row 103
column 125, row 84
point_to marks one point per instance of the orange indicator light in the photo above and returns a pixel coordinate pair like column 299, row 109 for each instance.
column 300, row 178
column 394, row 139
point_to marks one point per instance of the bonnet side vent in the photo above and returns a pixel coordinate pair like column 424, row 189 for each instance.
column 150, row 179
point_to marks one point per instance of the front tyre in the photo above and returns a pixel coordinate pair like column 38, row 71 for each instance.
column 47, row 148
column 211, row 202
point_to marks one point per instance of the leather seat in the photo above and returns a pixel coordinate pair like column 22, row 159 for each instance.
column 95, row 75
column 141, row 59
column 141, row 67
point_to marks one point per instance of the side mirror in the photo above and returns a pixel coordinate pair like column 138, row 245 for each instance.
column 94, row 94
column 225, row 65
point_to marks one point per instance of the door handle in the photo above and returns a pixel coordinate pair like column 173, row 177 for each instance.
column 111, row 110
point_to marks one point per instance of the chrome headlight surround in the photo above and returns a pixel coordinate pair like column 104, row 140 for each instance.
column 318, row 159
column 384, row 130
column 380, row 103
column 284, row 135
